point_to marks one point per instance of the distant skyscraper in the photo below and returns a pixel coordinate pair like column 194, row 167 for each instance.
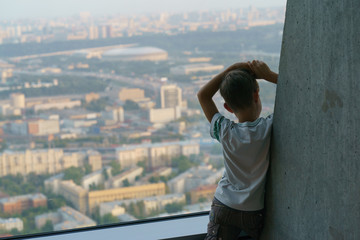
column 106, row 31
column 93, row 32
column 171, row 96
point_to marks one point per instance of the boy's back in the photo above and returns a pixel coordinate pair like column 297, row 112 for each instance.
column 245, row 149
column 239, row 198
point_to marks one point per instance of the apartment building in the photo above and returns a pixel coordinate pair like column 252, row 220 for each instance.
column 43, row 127
column 17, row 204
column 91, row 97
column 75, row 194
column 57, row 105
column 156, row 155
column 193, row 178
column 114, row 208
column 11, row 223
column 164, row 115
column 129, row 156
column 132, row 94
column 35, row 127
column 64, row 218
column 96, row 178
column 129, row 176
column 43, row 161
column 203, row 193
column 94, row 159
column 153, row 203
column 85, row 201
column 113, row 115
column 164, row 171
column 159, row 202
column 17, row 103
column 52, row 184
column 95, row 198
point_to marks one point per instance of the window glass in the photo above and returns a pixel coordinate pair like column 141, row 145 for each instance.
column 99, row 121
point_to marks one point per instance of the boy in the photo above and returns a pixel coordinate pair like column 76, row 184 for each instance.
column 239, row 198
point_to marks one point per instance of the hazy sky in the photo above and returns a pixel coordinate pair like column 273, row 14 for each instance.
column 12, row 9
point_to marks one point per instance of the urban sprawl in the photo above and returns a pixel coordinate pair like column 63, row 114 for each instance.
column 111, row 131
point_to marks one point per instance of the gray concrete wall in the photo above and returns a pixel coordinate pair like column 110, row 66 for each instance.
column 314, row 183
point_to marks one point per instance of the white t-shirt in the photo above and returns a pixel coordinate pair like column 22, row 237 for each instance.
column 246, row 159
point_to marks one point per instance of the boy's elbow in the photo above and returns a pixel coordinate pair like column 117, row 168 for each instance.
column 200, row 95
column 203, row 94
column 202, row 98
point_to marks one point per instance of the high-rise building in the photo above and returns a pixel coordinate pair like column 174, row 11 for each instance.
column 93, row 32
column 18, row 100
column 106, row 31
column 171, row 96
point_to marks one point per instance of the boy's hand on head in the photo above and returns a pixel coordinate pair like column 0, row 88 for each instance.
column 238, row 65
column 262, row 71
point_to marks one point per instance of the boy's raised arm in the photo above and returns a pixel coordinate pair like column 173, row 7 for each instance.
column 207, row 92
column 262, row 71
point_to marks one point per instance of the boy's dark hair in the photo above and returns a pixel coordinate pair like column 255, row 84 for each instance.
column 237, row 88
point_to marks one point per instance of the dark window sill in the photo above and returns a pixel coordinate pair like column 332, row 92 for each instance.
column 180, row 227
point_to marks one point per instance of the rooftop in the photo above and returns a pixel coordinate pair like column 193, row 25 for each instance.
column 35, row 196
column 148, row 145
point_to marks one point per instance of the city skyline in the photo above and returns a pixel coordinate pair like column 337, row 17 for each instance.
column 21, row 9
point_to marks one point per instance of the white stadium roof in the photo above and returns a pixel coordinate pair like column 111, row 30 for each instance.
column 132, row 51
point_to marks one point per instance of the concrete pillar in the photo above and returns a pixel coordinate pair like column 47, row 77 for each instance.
column 313, row 190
